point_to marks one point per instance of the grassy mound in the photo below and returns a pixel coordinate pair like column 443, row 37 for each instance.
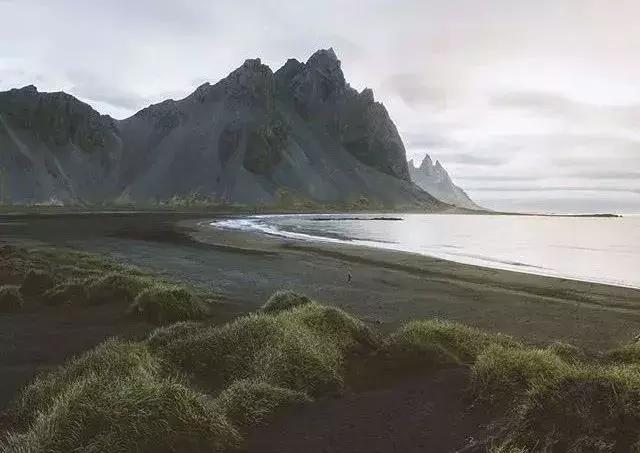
column 67, row 293
column 629, row 353
column 250, row 403
column 302, row 349
column 112, row 359
column 167, row 304
column 124, row 414
column 36, row 282
column 10, row 299
column 162, row 336
column 115, row 287
column 501, row 373
column 433, row 342
column 284, row 300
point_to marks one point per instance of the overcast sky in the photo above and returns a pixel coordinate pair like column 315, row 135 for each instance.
column 530, row 105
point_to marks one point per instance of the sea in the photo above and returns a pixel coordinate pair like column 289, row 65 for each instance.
column 594, row 249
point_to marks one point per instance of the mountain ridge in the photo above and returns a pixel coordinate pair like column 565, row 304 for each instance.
column 254, row 137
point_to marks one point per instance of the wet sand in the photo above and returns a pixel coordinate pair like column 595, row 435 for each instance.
column 388, row 287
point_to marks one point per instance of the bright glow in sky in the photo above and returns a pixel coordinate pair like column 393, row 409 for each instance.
column 529, row 105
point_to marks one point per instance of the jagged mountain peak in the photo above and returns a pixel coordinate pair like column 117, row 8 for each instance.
column 435, row 179
column 427, row 163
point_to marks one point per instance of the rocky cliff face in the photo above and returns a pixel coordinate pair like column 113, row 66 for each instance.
column 54, row 148
column 250, row 138
column 434, row 179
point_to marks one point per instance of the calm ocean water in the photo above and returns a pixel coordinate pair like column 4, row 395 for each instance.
column 605, row 250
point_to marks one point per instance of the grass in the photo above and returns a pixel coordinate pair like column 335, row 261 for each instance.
column 127, row 396
column 10, row 299
column 161, row 304
column 115, row 287
column 71, row 292
column 36, row 282
column 303, row 349
column 434, row 343
column 194, row 386
column 284, row 300
column 250, row 403
column 68, row 278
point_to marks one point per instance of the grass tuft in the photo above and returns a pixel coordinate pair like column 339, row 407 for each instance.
column 284, row 300
column 36, row 282
column 10, row 299
column 592, row 408
column 67, row 293
column 167, row 304
column 629, row 354
column 433, row 343
column 162, row 336
column 250, row 403
column 115, row 288
column 502, row 374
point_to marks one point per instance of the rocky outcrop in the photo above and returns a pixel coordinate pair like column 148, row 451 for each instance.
column 434, row 179
column 250, row 138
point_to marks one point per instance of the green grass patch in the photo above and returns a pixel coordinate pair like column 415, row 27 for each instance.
column 302, row 349
column 501, row 373
column 250, row 403
column 162, row 304
column 112, row 359
column 629, row 354
column 103, row 413
column 10, row 299
column 115, row 288
column 588, row 408
column 36, row 282
column 429, row 343
column 72, row 292
column 284, row 300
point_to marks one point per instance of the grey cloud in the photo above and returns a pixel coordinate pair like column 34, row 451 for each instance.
column 430, row 140
column 545, row 102
column 552, row 189
column 612, row 174
column 414, row 91
column 474, row 159
column 554, row 104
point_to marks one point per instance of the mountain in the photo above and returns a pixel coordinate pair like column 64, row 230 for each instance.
column 255, row 137
column 435, row 180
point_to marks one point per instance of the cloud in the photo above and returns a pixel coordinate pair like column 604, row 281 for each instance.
column 414, row 91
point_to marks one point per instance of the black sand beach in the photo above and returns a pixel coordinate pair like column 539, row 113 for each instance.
column 387, row 289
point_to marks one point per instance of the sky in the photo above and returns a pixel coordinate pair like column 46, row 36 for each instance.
column 530, row 105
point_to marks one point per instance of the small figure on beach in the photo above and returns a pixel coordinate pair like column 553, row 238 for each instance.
column 349, row 276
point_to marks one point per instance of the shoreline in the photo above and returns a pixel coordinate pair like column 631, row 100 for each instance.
column 388, row 288
column 467, row 260
column 468, row 285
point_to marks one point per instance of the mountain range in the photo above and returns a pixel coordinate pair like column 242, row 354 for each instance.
column 256, row 137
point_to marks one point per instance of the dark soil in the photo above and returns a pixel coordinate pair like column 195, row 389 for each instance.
column 423, row 414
